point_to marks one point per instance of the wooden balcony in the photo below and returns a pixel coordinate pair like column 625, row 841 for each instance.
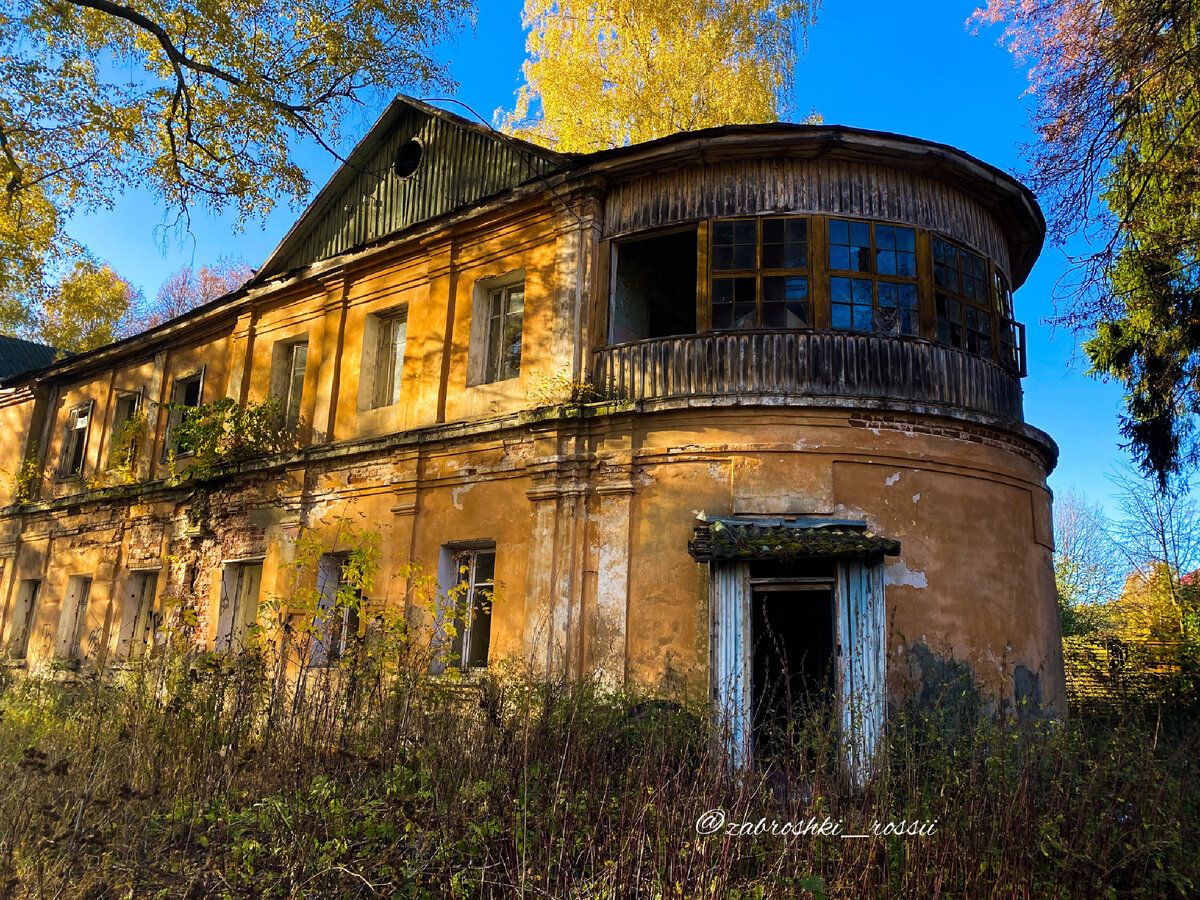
column 840, row 366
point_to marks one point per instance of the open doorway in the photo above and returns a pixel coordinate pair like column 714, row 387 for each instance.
column 792, row 647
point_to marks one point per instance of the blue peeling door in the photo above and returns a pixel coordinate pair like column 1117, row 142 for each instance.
column 861, row 662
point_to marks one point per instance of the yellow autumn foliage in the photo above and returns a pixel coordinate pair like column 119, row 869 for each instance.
column 616, row 72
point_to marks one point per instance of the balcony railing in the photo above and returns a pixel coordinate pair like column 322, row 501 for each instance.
column 869, row 367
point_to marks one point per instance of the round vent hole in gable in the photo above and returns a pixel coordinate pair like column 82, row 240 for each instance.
column 408, row 159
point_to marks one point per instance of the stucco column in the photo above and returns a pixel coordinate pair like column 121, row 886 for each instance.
column 241, row 355
column 326, row 346
column 553, row 603
column 608, row 632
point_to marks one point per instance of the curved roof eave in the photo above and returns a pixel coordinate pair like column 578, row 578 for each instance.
column 1011, row 202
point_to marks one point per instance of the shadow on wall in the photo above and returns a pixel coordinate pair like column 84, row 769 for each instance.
column 950, row 686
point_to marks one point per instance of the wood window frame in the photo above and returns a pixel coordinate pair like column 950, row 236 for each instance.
column 290, row 394
column 388, row 384
column 471, row 610
column 72, row 456
column 133, row 399
column 709, row 274
column 73, row 617
column 332, row 635
column 241, row 587
column 25, row 612
column 175, row 416
column 984, row 305
column 873, row 274
column 499, row 363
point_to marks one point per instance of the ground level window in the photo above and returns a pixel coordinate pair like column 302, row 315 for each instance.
column 138, row 625
column 339, row 612
column 73, row 621
column 472, row 608
column 238, row 607
column 22, row 623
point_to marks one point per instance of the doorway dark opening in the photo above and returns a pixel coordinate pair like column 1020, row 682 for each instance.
column 792, row 641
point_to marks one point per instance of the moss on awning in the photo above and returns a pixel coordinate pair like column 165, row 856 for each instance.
column 723, row 540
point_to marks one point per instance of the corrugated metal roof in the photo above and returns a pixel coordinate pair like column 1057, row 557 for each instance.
column 18, row 356
column 779, row 539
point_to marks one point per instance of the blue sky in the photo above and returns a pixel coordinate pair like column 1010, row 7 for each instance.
column 911, row 68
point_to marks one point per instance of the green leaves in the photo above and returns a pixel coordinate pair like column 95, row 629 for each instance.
column 200, row 102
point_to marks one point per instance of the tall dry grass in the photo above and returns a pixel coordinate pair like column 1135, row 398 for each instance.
column 193, row 776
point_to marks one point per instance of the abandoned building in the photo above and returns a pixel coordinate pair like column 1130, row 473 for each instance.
column 694, row 412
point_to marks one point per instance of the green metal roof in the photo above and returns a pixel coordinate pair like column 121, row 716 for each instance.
column 18, row 356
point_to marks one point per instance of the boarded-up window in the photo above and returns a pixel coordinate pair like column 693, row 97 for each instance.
column 138, row 623
column 23, row 616
column 238, row 608
column 73, row 621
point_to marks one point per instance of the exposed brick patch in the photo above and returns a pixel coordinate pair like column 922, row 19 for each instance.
column 959, row 431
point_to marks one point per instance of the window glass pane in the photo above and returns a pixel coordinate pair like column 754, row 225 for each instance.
column 743, row 257
column 840, row 289
column 862, row 318
column 885, row 237
column 841, row 315
column 734, row 245
column 885, row 262
column 860, row 234
column 838, row 232
column 906, row 264
column 745, row 315
column 839, row 257
column 906, row 239
column 513, row 321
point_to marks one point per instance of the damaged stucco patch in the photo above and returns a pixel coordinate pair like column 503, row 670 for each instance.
column 898, row 573
column 892, row 479
column 457, row 492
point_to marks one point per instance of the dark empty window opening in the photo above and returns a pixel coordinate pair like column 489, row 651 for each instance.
column 408, row 159
column 654, row 287
column 792, row 640
column 185, row 396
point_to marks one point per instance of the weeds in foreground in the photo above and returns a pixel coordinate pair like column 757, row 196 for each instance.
column 200, row 776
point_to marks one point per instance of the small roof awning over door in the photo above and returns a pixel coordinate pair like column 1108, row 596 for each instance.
column 727, row 538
